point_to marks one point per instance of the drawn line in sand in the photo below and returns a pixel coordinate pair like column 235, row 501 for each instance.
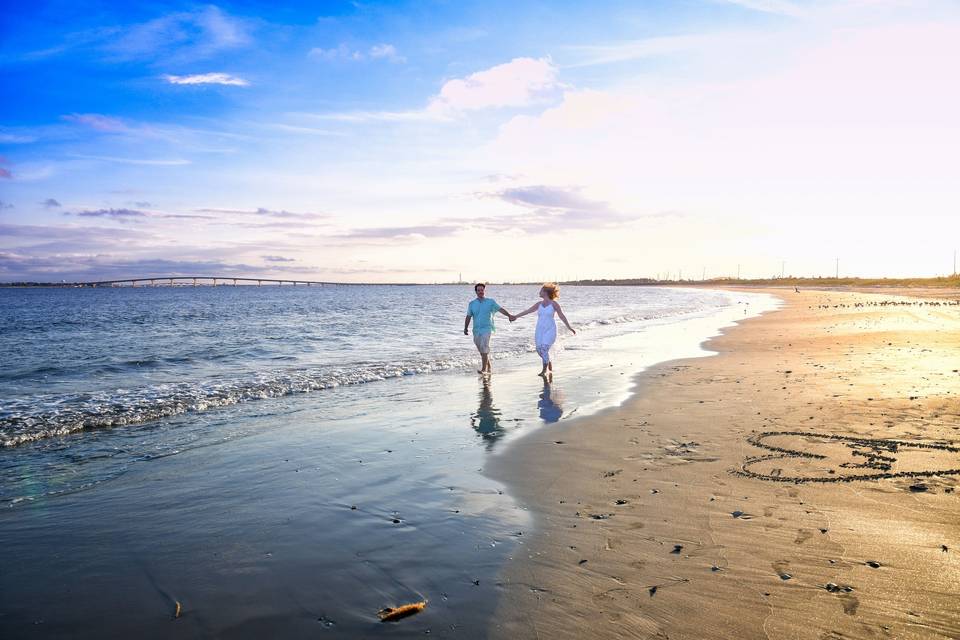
column 880, row 455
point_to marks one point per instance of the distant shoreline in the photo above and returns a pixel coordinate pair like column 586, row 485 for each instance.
column 166, row 281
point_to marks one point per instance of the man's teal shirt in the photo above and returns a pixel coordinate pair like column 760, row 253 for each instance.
column 482, row 312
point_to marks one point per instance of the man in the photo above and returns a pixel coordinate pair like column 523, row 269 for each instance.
column 481, row 310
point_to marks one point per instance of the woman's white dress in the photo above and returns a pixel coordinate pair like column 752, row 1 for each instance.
column 546, row 331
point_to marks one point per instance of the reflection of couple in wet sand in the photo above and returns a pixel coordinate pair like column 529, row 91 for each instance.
column 482, row 309
column 486, row 421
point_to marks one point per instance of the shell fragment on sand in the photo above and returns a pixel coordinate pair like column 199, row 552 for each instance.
column 388, row 614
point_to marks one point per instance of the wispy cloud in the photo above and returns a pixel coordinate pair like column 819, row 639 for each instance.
column 5, row 205
column 380, row 116
column 551, row 198
column 382, row 51
column 277, row 259
column 98, row 122
column 124, row 214
column 208, row 78
column 591, row 55
column 65, row 232
column 177, row 137
column 119, row 214
column 553, row 209
column 181, row 36
column 50, row 203
column 311, row 131
column 15, row 138
column 179, row 216
column 175, row 37
column 547, row 209
column 263, row 212
column 152, row 162
column 80, row 267
column 387, row 52
column 422, row 231
column 343, row 52
column 779, row 7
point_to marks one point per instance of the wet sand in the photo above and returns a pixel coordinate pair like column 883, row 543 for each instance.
column 803, row 483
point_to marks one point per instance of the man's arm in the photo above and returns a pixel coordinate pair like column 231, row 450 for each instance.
column 466, row 324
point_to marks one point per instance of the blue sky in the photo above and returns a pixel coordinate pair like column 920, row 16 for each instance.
column 419, row 140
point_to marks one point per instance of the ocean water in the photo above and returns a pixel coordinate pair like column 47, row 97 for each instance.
column 288, row 459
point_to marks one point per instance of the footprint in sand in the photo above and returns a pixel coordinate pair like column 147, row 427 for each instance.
column 801, row 456
column 780, row 568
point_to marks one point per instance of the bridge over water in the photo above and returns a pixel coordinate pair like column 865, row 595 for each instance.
column 197, row 281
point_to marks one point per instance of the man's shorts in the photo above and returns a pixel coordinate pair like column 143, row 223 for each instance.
column 483, row 342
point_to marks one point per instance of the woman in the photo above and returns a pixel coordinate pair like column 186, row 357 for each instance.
column 546, row 332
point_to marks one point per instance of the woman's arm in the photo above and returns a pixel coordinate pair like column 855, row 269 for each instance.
column 530, row 310
column 556, row 305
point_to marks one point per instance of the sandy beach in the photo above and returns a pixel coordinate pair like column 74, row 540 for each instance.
column 799, row 484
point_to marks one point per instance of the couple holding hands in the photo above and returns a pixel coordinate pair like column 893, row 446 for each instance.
column 481, row 311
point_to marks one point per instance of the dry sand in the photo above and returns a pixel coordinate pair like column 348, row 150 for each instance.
column 658, row 520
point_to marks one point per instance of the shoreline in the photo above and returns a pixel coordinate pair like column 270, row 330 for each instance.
column 642, row 531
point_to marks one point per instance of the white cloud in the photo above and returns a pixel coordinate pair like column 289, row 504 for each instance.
column 207, row 78
column 522, row 82
column 518, row 83
column 854, row 127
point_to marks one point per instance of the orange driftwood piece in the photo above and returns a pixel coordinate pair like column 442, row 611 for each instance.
column 389, row 613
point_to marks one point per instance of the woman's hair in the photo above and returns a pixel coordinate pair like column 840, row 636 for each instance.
column 552, row 289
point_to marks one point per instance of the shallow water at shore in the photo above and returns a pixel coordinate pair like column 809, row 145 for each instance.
column 307, row 512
